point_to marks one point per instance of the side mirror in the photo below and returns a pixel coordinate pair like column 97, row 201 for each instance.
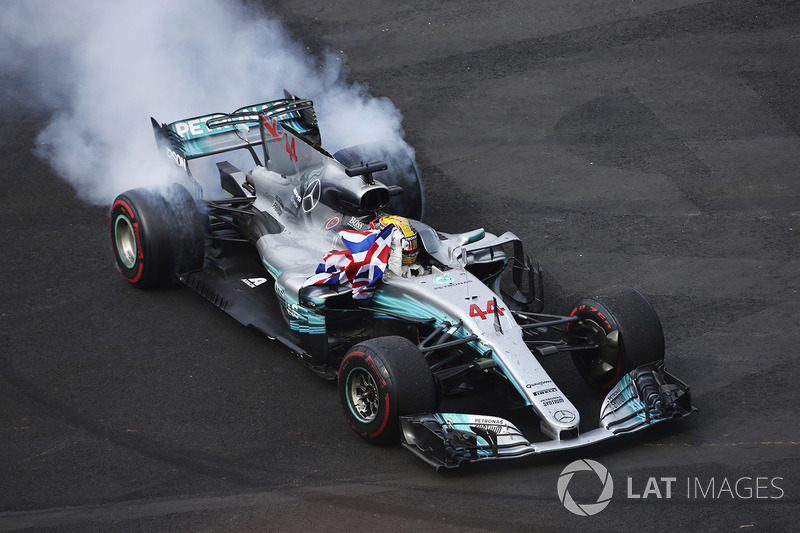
column 471, row 236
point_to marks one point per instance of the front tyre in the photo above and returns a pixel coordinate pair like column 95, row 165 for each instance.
column 379, row 381
column 156, row 234
column 620, row 330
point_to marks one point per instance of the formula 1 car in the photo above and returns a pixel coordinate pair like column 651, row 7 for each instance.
column 464, row 313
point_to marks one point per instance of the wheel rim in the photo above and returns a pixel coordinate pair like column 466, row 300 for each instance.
column 362, row 395
column 125, row 241
column 606, row 360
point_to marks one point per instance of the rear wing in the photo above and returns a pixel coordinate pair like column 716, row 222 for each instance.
column 205, row 135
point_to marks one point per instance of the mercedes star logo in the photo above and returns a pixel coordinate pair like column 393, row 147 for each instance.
column 564, row 417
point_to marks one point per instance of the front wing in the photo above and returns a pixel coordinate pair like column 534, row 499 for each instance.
column 644, row 397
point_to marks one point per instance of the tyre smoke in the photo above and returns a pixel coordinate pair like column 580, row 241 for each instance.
column 98, row 70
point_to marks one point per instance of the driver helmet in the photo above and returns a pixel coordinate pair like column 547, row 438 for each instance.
column 410, row 239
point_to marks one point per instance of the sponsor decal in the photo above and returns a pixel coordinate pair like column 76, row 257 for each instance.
column 315, row 172
column 332, row 223
column 490, row 421
column 617, row 399
column 497, row 430
column 356, row 224
column 293, row 310
column 254, row 282
column 552, row 401
column 443, row 279
column 197, row 126
column 538, row 384
column 449, row 285
column 176, row 157
column 595, row 312
column 255, row 110
column 495, row 425
column 193, row 127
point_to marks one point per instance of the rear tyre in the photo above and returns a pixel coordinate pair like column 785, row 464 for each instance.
column 156, row 234
column 625, row 329
column 379, row 381
column 401, row 172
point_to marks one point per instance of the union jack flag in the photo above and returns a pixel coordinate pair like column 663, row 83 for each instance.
column 361, row 266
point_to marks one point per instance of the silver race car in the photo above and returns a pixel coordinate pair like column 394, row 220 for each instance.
column 329, row 255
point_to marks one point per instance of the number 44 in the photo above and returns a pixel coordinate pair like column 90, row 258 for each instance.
column 474, row 310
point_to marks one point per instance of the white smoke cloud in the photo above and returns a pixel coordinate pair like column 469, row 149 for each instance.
column 103, row 68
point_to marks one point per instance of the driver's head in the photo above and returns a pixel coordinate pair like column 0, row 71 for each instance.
column 410, row 238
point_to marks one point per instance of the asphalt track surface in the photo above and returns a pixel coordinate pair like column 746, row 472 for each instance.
column 653, row 144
